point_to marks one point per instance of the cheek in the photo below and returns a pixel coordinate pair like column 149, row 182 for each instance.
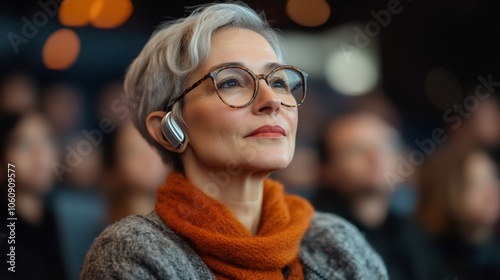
column 217, row 133
column 214, row 130
column 48, row 157
column 293, row 122
column 291, row 116
column 24, row 166
column 354, row 164
column 33, row 172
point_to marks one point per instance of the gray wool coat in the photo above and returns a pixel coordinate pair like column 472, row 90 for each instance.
column 144, row 247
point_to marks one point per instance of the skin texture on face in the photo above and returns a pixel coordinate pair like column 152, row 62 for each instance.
column 481, row 205
column 31, row 149
column 218, row 134
column 222, row 156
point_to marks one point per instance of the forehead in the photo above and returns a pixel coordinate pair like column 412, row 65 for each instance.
column 240, row 45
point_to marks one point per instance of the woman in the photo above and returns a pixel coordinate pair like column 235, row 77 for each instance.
column 26, row 142
column 218, row 216
column 459, row 206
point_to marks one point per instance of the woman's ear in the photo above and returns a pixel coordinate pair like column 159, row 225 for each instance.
column 153, row 125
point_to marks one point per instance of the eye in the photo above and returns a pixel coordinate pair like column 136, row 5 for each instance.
column 228, row 83
column 280, row 84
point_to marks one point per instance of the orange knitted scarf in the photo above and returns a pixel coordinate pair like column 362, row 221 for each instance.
column 224, row 244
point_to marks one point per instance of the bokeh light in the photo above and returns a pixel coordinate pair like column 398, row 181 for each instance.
column 75, row 12
column 308, row 12
column 354, row 76
column 110, row 13
column 61, row 49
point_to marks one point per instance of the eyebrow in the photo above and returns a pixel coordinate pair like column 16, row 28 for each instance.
column 268, row 66
column 272, row 65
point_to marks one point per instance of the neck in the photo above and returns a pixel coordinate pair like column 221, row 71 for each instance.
column 242, row 193
column 245, row 202
column 30, row 207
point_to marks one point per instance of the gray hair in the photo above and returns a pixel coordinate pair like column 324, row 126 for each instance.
column 157, row 77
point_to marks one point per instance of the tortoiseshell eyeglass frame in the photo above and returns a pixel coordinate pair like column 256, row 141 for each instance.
column 213, row 74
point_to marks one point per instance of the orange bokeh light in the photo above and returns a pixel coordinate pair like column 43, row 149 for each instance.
column 61, row 49
column 110, row 13
column 308, row 12
column 75, row 12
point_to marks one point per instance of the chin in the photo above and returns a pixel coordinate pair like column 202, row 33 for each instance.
column 271, row 161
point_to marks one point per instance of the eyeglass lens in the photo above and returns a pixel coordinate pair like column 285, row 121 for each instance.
column 236, row 86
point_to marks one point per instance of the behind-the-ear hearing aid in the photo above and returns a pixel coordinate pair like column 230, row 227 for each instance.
column 172, row 131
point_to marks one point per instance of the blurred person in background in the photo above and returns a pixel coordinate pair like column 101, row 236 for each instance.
column 112, row 103
column 78, row 204
column 480, row 127
column 63, row 106
column 26, row 141
column 357, row 149
column 458, row 207
column 81, row 198
column 133, row 172
column 212, row 95
column 18, row 93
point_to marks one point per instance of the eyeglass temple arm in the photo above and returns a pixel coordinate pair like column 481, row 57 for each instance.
column 193, row 86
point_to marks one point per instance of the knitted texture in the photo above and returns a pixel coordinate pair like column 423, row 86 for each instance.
column 144, row 247
column 224, row 244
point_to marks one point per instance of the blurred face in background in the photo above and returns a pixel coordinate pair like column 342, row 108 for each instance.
column 31, row 149
column 86, row 174
column 17, row 94
column 484, row 124
column 138, row 164
column 62, row 106
column 361, row 150
column 481, row 201
column 112, row 103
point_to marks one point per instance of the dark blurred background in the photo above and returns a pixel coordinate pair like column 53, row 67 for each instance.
column 399, row 134
column 459, row 36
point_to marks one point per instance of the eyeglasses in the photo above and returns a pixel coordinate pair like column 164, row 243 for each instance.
column 237, row 86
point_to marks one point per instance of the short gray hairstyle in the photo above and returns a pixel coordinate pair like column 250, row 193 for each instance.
column 157, row 77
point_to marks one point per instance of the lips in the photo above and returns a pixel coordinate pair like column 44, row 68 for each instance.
column 268, row 131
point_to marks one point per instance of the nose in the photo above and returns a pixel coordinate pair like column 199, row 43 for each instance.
column 266, row 101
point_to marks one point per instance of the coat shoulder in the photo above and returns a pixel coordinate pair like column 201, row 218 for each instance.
column 141, row 247
column 338, row 250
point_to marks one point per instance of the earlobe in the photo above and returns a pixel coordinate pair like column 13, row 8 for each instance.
column 156, row 123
